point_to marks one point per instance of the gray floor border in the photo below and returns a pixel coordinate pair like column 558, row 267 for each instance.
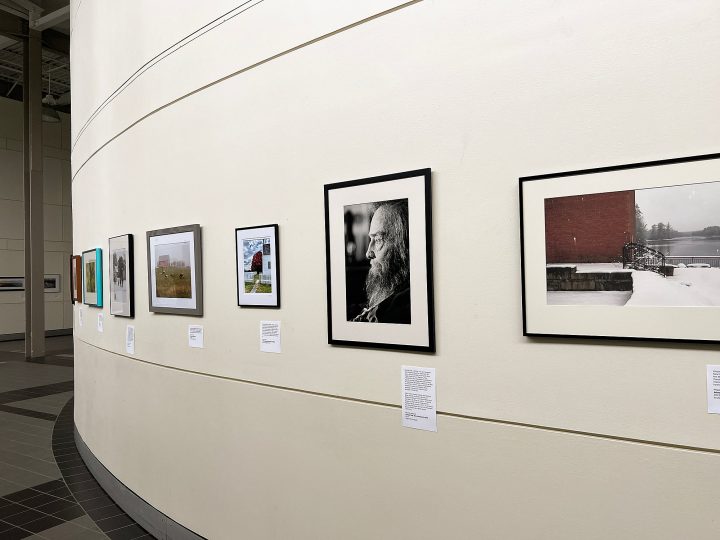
column 147, row 516
column 48, row 333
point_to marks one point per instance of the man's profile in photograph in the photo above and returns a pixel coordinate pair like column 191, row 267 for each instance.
column 387, row 285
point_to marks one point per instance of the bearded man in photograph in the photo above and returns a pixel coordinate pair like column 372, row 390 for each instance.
column 388, row 281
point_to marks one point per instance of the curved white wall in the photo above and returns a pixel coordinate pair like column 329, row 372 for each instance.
column 227, row 131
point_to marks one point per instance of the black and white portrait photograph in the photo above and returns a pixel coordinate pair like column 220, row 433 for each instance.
column 379, row 264
column 121, row 276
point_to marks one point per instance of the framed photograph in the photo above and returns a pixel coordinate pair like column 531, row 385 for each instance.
column 122, row 288
column 258, row 274
column 378, row 241
column 92, row 277
column 75, row 278
column 625, row 252
column 52, row 283
column 175, row 270
column 12, row 283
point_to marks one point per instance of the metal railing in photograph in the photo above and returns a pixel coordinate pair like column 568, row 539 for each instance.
column 712, row 260
column 641, row 257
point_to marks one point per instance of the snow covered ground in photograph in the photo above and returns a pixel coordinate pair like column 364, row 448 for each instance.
column 687, row 287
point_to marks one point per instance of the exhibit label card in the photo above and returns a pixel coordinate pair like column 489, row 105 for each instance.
column 130, row 339
column 80, row 316
column 713, row 389
column 418, row 398
column 195, row 336
column 100, row 323
column 270, row 336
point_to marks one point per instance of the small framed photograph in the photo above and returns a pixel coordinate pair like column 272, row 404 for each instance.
column 75, row 278
column 175, row 270
column 625, row 252
column 92, row 277
column 378, row 241
column 258, row 274
column 12, row 283
column 121, row 263
column 52, row 283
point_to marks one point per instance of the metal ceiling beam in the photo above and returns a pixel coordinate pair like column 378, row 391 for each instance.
column 12, row 26
column 51, row 19
column 30, row 6
column 56, row 41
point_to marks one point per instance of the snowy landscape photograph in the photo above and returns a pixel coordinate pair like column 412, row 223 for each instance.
column 643, row 247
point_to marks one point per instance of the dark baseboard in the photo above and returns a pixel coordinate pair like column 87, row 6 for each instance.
column 147, row 516
column 48, row 333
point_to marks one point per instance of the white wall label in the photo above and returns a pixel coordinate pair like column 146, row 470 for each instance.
column 270, row 336
column 100, row 323
column 80, row 316
column 713, row 389
column 418, row 398
column 130, row 339
column 195, row 336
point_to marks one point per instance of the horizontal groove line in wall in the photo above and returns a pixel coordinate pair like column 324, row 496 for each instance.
column 222, row 79
column 195, row 34
column 552, row 429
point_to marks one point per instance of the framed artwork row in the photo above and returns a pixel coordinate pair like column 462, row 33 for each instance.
column 51, row 283
column 625, row 252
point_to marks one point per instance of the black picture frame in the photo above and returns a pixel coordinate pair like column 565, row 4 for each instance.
column 643, row 316
column 192, row 305
column 121, row 273
column 246, row 298
column 380, row 311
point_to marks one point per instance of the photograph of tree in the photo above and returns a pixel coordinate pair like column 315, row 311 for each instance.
column 257, row 265
column 645, row 247
column 90, row 276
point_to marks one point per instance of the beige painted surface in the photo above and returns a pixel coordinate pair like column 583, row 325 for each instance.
column 482, row 93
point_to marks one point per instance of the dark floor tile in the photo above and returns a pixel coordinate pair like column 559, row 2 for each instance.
column 26, row 516
column 70, row 513
column 15, row 534
column 88, row 494
column 43, row 523
column 55, row 506
column 104, row 512
column 49, row 486
column 10, row 510
column 37, row 500
column 62, row 492
column 21, row 495
column 97, row 502
column 83, row 485
column 115, row 522
column 128, row 532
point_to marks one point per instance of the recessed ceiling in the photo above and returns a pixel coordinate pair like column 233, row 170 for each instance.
column 55, row 61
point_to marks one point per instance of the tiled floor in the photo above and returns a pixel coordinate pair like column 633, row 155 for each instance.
column 45, row 489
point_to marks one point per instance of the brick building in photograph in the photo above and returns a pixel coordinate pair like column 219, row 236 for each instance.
column 589, row 228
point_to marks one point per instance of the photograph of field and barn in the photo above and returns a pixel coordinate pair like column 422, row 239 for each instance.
column 645, row 247
column 257, row 265
column 173, row 275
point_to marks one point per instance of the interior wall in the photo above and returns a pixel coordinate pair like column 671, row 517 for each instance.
column 57, row 216
column 244, row 125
